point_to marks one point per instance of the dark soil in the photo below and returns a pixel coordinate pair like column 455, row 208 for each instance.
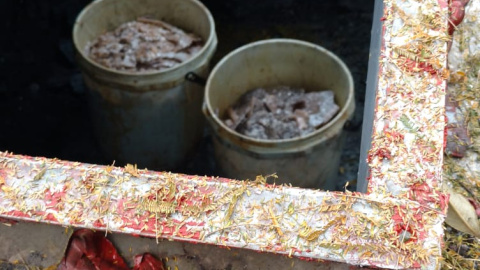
column 42, row 97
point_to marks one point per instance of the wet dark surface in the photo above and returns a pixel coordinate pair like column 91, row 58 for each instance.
column 42, row 99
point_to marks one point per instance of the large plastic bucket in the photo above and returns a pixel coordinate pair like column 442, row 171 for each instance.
column 152, row 119
column 309, row 161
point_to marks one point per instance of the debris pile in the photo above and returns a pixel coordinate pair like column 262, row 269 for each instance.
column 143, row 45
column 281, row 112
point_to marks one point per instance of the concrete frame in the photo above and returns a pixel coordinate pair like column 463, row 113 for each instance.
column 396, row 224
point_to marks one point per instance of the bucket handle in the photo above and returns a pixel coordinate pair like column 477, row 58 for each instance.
column 195, row 78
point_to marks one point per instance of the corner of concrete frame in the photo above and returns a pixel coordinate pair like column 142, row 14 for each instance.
column 396, row 222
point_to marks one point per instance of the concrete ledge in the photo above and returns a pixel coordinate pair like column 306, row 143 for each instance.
column 357, row 229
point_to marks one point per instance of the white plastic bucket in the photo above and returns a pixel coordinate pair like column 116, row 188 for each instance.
column 309, row 161
column 152, row 119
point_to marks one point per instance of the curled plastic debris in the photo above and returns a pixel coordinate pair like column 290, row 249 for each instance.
column 88, row 250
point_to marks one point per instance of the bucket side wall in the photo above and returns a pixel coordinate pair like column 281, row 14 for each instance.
column 155, row 129
column 316, row 168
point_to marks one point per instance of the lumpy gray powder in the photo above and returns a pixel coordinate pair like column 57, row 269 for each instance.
column 143, row 45
column 281, row 112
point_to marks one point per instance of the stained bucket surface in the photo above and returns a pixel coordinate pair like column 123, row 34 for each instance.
column 309, row 161
column 152, row 118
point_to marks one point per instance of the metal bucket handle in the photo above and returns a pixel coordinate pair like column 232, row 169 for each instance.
column 195, row 78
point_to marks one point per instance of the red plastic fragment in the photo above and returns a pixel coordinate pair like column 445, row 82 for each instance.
column 90, row 250
column 457, row 12
column 147, row 262
column 8, row 221
column 475, row 205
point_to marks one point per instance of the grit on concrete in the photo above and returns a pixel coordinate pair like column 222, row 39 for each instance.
column 42, row 97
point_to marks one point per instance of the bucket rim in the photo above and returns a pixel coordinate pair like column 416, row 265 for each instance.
column 210, row 42
column 343, row 113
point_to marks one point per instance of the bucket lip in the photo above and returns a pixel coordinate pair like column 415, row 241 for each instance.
column 245, row 138
column 210, row 42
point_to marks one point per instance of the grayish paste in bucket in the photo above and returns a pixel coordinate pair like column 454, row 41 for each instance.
column 281, row 112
